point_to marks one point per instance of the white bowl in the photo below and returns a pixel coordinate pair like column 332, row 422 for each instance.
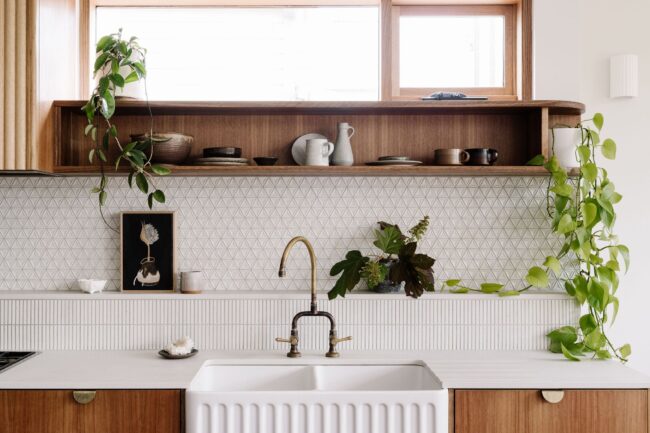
column 91, row 286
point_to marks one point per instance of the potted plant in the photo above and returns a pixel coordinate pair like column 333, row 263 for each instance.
column 118, row 63
column 396, row 267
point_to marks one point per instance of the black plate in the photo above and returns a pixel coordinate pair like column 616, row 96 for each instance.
column 167, row 355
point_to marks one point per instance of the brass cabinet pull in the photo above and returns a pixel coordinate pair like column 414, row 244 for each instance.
column 83, row 397
column 552, row 396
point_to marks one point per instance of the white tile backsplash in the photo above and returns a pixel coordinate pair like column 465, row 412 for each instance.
column 234, row 228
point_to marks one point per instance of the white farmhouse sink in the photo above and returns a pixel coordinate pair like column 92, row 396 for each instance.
column 314, row 398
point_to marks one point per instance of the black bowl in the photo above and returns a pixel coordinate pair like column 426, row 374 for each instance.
column 265, row 160
column 222, row 152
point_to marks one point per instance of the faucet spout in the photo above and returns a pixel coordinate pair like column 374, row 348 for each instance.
column 312, row 258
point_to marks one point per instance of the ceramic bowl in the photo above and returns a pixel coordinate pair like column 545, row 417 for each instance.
column 222, row 152
column 168, row 147
column 265, row 160
column 91, row 286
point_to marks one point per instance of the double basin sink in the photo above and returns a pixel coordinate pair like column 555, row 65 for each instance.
column 316, row 398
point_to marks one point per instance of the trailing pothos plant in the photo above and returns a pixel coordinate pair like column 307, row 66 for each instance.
column 118, row 63
column 581, row 208
column 398, row 262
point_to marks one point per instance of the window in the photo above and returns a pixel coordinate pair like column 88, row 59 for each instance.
column 462, row 48
column 255, row 54
column 324, row 50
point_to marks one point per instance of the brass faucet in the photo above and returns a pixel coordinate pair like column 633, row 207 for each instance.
column 313, row 310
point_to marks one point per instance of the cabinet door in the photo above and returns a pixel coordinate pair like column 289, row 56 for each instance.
column 111, row 411
column 526, row 411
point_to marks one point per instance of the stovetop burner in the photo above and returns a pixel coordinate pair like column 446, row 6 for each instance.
column 9, row 359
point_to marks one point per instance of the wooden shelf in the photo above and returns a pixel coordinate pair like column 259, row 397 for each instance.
column 517, row 129
column 359, row 170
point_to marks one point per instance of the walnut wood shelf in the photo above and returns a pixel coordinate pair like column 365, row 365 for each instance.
column 295, row 170
column 517, row 129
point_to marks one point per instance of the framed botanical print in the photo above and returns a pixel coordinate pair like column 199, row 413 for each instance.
column 148, row 251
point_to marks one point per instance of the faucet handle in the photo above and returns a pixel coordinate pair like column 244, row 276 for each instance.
column 291, row 340
column 335, row 340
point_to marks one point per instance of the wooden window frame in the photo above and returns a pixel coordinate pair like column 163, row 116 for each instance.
column 518, row 64
column 507, row 91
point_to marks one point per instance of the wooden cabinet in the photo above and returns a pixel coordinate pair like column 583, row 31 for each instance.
column 111, row 411
column 526, row 411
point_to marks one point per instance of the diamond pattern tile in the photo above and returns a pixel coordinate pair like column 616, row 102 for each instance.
column 234, row 229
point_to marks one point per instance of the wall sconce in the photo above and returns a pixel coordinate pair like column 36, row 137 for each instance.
column 624, row 76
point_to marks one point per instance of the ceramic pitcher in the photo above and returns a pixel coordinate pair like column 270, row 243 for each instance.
column 343, row 149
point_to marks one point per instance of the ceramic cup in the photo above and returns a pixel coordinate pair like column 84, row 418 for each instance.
column 318, row 151
column 450, row 157
column 192, row 282
column 482, row 156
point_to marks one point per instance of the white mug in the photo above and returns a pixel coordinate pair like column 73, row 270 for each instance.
column 191, row 282
column 318, row 151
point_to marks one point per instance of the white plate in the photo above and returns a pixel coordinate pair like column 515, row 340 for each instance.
column 299, row 147
column 220, row 163
column 222, row 159
column 395, row 162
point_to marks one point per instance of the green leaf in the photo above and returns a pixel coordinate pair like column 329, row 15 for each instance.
column 509, row 293
column 91, row 155
column 132, row 77
column 389, row 240
column 160, row 170
column 150, row 201
column 564, row 190
column 491, row 287
column 351, row 268
column 117, row 79
column 567, row 354
column 536, row 160
column 460, row 290
column 589, row 172
column 159, row 196
column 595, row 138
column 597, row 295
column 625, row 351
column 566, row 224
column 103, row 43
column 609, row 149
column 537, row 277
column 588, row 324
column 88, row 128
column 102, row 155
column 102, row 198
column 452, row 283
column 141, row 182
column 595, row 339
column 625, row 253
column 584, row 153
column 603, row 354
column 99, row 61
column 131, row 179
column 590, row 213
column 565, row 335
column 598, row 121
column 553, row 264
column 139, row 67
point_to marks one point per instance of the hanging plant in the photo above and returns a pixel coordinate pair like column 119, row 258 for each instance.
column 118, row 63
column 582, row 213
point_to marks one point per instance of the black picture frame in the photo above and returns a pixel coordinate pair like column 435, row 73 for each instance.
column 147, row 251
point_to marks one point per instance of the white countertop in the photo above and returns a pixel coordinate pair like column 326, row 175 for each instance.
column 475, row 369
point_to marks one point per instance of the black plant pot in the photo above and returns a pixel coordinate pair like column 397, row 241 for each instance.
column 387, row 286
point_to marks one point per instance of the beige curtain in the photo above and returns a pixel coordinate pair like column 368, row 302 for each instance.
column 17, row 84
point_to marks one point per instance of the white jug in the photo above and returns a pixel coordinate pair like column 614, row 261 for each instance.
column 343, row 149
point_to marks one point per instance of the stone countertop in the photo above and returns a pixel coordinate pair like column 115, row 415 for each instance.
column 455, row 369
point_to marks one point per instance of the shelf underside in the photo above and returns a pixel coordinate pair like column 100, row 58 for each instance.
column 294, row 170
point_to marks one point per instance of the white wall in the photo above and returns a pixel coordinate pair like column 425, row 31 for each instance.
column 573, row 42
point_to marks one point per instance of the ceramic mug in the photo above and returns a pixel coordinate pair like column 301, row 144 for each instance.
column 482, row 156
column 450, row 157
column 191, row 282
column 318, row 151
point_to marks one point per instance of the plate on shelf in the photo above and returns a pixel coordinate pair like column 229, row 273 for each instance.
column 223, row 164
column 398, row 162
column 299, row 147
column 222, row 159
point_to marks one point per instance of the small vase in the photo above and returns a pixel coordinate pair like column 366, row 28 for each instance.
column 342, row 154
column 563, row 143
column 387, row 286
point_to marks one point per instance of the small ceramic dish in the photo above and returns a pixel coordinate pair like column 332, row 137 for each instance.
column 393, row 158
column 91, row 286
column 265, row 160
column 394, row 162
column 222, row 152
column 168, row 355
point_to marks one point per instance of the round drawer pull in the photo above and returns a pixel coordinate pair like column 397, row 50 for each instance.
column 83, row 397
column 552, row 396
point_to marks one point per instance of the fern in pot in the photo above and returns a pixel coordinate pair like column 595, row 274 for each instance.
column 397, row 267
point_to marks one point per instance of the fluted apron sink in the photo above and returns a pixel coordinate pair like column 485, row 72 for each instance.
column 310, row 398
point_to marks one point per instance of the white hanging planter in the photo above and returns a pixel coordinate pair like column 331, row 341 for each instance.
column 135, row 90
column 563, row 143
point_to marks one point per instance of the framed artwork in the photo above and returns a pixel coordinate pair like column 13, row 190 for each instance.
column 148, row 251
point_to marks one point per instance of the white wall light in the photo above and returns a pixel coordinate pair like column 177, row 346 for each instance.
column 624, row 76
